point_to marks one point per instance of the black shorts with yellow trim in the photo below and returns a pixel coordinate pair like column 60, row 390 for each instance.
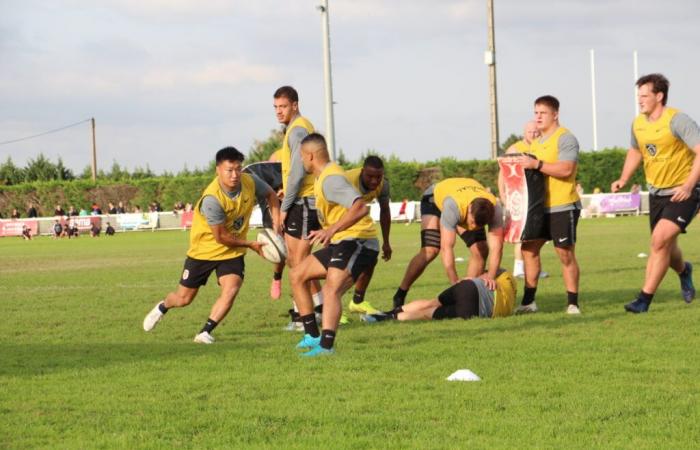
column 680, row 213
column 353, row 255
column 197, row 271
column 301, row 220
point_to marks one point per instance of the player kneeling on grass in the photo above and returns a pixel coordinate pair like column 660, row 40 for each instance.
column 350, row 246
column 218, row 240
column 470, row 297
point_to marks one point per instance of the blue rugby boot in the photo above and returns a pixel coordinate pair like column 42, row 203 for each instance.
column 687, row 287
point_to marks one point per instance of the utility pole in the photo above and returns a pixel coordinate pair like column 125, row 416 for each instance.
column 327, row 79
column 595, row 119
column 94, row 152
column 490, row 60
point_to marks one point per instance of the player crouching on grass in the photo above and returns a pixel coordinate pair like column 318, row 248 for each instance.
column 470, row 297
column 350, row 246
column 218, row 240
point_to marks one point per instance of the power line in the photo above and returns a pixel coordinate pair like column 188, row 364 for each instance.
column 45, row 132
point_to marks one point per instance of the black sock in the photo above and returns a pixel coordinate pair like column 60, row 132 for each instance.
column 572, row 298
column 646, row 298
column 277, row 276
column 209, row 326
column 359, row 297
column 318, row 309
column 528, row 295
column 294, row 316
column 394, row 313
column 162, row 308
column 310, row 325
column 327, row 339
column 400, row 297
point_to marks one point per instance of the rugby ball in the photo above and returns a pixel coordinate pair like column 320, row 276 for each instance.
column 274, row 249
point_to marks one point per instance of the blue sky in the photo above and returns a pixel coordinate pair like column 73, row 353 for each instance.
column 171, row 81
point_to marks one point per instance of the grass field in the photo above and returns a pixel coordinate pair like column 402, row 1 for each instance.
column 77, row 370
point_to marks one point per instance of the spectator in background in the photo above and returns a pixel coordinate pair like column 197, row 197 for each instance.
column 74, row 229
column 57, row 229
column 635, row 189
column 120, row 208
column 15, row 214
column 96, row 211
column 58, row 211
column 95, row 230
column 109, row 231
column 579, row 188
column 157, row 207
column 188, row 207
column 31, row 211
column 137, row 209
column 26, row 233
column 112, row 209
column 72, row 211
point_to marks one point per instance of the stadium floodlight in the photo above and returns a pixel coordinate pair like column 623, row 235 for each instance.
column 327, row 78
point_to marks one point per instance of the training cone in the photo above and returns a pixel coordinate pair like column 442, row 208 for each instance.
column 464, row 375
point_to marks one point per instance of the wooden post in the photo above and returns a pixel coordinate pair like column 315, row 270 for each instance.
column 94, row 152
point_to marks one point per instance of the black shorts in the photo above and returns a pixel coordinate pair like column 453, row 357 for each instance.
column 472, row 237
column 680, row 213
column 559, row 227
column 301, row 220
column 428, row 207
column 197, row 271
column 351, row 255
column 459, row 300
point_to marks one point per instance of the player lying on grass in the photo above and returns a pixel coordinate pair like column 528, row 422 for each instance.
column 218, row 240
column 350, row 246
column 470, row 297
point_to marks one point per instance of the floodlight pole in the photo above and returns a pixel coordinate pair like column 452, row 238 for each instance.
column 327, row 79
column 595, row 120
column 94, row 152
column 635, row 66
column 490, row 60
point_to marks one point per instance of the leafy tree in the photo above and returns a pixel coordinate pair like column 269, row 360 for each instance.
column 261, row 150
column 10, row 174
column 512, row 139
column 41, row 169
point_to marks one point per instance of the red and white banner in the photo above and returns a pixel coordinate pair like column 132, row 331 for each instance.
column 516, row 198
column 84, row 223
column 14, row 227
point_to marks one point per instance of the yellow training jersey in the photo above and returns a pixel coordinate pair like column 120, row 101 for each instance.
column 354, row 175
column 276, row 156
column 504, row 300
column 558, row 191
column 667, row 159
column 522, row 146
column 330, row 213
column 238, row 210
column 463, row 191
column 307, row 185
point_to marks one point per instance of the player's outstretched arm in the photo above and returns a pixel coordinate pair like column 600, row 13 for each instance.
column 632, row 161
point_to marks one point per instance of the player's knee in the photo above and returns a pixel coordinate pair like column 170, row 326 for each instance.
column 184, row 299
column 296, row 276
column 430, row 253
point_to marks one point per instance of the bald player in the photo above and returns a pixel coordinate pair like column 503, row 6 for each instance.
column 350, row 246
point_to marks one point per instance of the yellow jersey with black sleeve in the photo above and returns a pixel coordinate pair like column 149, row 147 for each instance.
column 522, row 146
column 354, row 176
column 463, row 191
column 203, row 246
column 330, row 212
column 558, row 191
column 307, row 185
column 667, row 159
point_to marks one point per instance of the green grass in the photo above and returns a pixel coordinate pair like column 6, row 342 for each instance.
column 77, row 370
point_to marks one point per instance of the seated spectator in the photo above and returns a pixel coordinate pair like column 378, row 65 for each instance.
column 112, row 209
column 96, row 211
column 109, row 231
column 31, row 211
column 58, row 211
column 26, row 233
column 470, row 297
column 57, row 229
column 120, row 208
column 83, row 212
column 72, row 211
column 15, row 214
column 95, row 230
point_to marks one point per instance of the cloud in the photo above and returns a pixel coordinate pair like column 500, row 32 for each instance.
column 218, row 73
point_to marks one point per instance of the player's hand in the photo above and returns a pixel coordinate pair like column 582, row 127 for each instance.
column 526, row 162
column 681, row 193
column 489, row 282
column 386, row 251
column 257, row 247
column 283, row 218
column 617, row 185
column 277, row 228
column 321, row 236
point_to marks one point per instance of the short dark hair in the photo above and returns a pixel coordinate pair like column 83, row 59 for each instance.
column 659, row 83
column 288, row 92
column 482, row 210
column 315, row 138
column 548, row 100
column 229, row 154
column 374, row 162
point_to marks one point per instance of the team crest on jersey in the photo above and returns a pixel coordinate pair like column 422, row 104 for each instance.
column 651, row 149
column 238, row 223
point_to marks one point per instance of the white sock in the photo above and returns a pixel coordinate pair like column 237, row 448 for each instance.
column 518, row 266
column 318, row 298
